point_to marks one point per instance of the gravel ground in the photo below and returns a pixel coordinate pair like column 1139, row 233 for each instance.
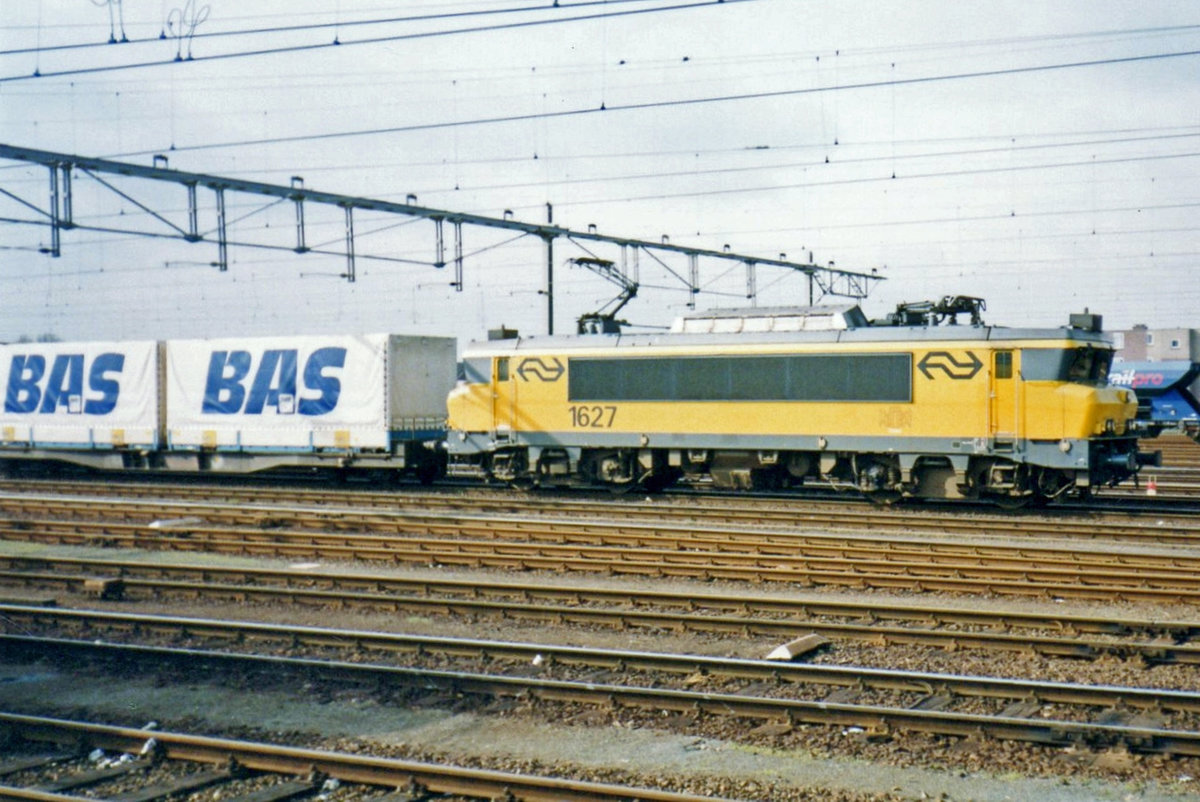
column 585, row 742
column 761, row 763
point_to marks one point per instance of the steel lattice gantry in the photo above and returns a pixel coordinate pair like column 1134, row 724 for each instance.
column 58, row 216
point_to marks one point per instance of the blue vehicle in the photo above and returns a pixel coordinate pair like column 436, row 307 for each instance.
column 1168, row 394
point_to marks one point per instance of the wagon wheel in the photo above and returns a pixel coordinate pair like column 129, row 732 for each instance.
column 428, row 472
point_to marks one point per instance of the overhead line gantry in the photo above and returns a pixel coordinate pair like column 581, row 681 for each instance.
column 58, row 214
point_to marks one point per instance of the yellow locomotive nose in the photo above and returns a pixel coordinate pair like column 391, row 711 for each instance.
column 1112, row 409
column 1089, row 411
column 469, row 408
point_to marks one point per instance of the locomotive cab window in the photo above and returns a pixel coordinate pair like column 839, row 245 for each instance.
column 1101, row 365
column 1085, row 365
column 476, row 371
column 1080, row 365
column 502, row 369
column 1089, row 365
column 1004, row 365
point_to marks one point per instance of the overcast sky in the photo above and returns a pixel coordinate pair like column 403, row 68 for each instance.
column 1041, row 155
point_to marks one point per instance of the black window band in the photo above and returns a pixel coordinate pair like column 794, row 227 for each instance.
column 807, row 377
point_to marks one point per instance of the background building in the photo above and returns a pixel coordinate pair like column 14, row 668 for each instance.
column 1143, row 344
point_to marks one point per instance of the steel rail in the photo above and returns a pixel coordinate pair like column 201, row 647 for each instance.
column 385, row 772
column 875, row 718
column 918, row 682
column 449, row 538
column 34, row 795
column 1166, row 647
column 435, row 588
column 1178, row 449
column 315, row 491
column 912, row 557
column 381, row 510
column 196, row 519
column 1183, row 587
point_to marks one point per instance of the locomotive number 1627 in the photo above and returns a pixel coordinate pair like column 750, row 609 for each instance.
column 593, row 417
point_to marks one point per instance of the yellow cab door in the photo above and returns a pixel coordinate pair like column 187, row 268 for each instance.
column 1005, row 401
column 504, row 395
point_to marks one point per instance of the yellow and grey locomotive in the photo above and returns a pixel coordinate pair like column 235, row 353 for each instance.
column 775, row 398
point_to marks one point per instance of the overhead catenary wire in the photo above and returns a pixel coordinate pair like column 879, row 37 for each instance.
column 841, row 161
column 1128, row 135
column 885, row 178
column 318, row 26
column 1115, row 137
column 1135, row 204
column 895, row 159
column 425, row 75
column 941, row 44
column 673, row 103
column 272, row 51
column 118, row 237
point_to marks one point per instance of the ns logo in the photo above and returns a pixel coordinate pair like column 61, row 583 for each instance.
column 230, row 390
column 34, row 390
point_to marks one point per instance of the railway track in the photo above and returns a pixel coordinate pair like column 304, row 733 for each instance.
column 571, row 521
column 299, row 772
column 880, row 622
column 915, row 563
column 438, row 535
column 1177, row 450
column 1140, row 515
column 837, row 508
column 705, row 537
column 876, row 700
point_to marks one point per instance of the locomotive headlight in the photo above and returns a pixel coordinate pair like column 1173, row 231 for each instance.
column 1110, row 426
column 1064, row 446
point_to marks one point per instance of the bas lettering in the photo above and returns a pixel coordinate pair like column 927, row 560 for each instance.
column 235, row 386
column 33, row 389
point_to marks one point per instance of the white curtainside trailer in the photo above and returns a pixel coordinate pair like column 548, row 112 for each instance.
column 99, row 401
column 362, row 401
column 372, row 401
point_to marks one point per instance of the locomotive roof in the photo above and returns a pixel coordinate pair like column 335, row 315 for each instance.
column 866, row 334
column 772, row 318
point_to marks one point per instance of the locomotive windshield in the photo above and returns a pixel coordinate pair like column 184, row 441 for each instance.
column 1085, row 365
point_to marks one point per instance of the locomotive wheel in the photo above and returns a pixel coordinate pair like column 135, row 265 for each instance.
column 1010, row 502
column 658, row 482
column 884, row 498
column 524, row 484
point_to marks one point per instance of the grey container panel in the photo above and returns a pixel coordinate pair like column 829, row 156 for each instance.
column 421, row 372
